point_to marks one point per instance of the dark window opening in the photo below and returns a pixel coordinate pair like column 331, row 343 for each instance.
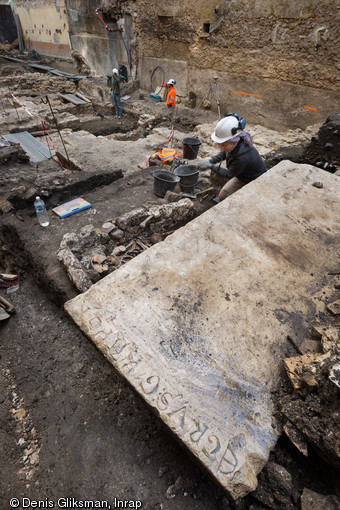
column 108, row 19
column 165, row 19
column 206, row 28
column 8, row 30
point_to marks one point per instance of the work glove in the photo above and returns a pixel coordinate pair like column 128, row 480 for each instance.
column 204, row 164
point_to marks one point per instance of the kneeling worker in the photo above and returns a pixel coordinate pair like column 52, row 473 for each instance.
column 243, row 162
column 171, row 97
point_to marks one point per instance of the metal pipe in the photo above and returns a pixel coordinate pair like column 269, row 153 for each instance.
column 105, row 25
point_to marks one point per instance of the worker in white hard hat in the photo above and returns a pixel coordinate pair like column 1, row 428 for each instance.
column 243, row 162
column 115, row 90
column 171, row 97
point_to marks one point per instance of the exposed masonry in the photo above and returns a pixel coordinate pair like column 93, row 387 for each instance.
column 91, row 254
column 273, row 60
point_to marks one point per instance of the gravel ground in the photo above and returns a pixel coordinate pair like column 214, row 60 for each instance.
column 71, row 428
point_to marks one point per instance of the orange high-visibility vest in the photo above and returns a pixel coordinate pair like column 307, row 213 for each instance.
column 166, row 155
column 171, row 97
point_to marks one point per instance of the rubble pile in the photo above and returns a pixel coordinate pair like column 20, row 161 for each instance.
column 7, row 69
column 311, row 413
column 324, row 149
column 11, row 152
column 28, row 440
column 9, row 47
column 94, row 253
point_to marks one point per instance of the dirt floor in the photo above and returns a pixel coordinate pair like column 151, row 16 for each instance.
column 70, row 428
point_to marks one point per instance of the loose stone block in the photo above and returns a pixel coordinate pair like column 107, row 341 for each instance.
column 298, row 368
column 117, row 234
column 334, row 375
column 131, row 218
column 108, row 227
column 74, row 269
column 296, row 438
column 198, row 324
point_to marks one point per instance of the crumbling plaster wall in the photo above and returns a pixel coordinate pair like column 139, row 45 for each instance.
column 57, row 27
column 103, row 49
column 44, row 25
column 273, row 58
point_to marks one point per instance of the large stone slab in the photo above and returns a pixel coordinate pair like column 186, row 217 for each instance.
column 198, row 324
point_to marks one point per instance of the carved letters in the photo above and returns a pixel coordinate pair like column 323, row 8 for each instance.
column 126, row 357
column 153, row 381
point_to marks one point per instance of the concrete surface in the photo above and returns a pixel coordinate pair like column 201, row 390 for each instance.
column 198, row 324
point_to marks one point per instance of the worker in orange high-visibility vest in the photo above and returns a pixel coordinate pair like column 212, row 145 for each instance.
column 171, row 97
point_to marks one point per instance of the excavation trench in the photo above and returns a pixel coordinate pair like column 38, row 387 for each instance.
column 108, row 399
column 79, row 408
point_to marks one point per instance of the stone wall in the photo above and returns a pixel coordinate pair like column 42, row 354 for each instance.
column 277, row 62
column 93, row 253
column 56, row 28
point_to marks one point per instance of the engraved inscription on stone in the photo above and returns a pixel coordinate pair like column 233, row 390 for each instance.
column 198, row 323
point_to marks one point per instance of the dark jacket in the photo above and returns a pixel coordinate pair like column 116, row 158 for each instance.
column 115, row 84
column 243, row 162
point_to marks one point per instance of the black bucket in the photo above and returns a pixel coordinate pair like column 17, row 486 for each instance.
column 163, row 181
column 188, row 174
column 188, row 188
column 190, row 147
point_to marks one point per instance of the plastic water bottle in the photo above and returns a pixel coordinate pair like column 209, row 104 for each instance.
column 40, row 209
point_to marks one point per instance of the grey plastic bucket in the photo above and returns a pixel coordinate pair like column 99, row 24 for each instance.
column 188, row 174
column 190, row 147
column 163, row 181
column 188, row 189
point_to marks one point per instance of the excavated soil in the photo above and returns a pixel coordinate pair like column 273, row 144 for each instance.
column 70, row 428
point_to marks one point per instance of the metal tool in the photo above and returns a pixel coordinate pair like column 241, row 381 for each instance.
column 215, row 81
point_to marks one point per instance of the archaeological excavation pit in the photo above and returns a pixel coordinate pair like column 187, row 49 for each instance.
column 210, row 381
column 201, row 349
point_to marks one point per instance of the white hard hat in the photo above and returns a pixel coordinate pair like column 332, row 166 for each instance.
column 226, row 129
column 171, row 82
column 114, row 71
